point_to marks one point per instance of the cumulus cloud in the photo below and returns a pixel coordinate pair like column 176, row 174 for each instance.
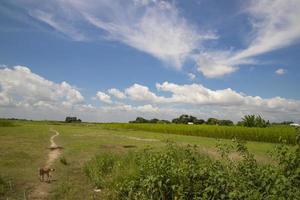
column 25, row 94
column 220, row 103
column 141, row 93
column 280, row 71
column 19, row 86
column 116, row 93
column 103, row 97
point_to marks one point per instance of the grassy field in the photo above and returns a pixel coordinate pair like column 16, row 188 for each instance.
column 23, row 148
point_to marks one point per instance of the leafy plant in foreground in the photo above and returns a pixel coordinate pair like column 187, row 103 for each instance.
column 182, row 173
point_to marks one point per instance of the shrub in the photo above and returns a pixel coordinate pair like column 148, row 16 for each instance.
column 182, row 173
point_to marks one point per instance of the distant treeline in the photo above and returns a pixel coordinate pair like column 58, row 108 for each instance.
column 184, row 119
column 247, row 121
column 72, row 119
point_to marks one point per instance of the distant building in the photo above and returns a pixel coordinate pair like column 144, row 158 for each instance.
column 295, row 124
column 190, row 123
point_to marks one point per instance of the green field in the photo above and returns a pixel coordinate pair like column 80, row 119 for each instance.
column 23, row 149
column 270, row 134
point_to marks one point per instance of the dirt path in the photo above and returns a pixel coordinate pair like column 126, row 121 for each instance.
column 42, row 189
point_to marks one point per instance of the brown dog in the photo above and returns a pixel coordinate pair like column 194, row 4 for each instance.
column 45, row 171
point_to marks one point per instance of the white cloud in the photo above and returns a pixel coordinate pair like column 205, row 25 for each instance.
column 141, row 93
column 191, row 76
column 25, row 94
column 212, row 68
column 159, row 29
column 103, row 97
column 147, row 108
column 154, row 27
column 117, row 93
column 59, row 25
column 199, row 95
column 280, row 71
column 19, row 86
column 276, row 25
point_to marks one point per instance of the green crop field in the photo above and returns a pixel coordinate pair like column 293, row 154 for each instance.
column 271, row 134
column 24, row 148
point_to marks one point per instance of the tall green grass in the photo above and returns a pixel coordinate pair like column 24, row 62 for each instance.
column 6, row 123
column 271, row 134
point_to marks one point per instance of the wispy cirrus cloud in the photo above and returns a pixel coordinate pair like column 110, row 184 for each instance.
column 275, row 25
column 158, row 28
column 154, row 27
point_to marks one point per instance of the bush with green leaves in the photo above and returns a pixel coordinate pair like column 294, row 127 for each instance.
column 182, row 173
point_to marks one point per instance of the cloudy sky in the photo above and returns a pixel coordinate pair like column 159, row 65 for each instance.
column 114, row 60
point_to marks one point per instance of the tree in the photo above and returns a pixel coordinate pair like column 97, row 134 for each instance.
column 249, row 120
column 153, row 121
column 199, row 121
column 139, row 120
column 225, row 122
column 254, row 121
column 72, row 119
column 212, row 121
column 184, row 119
column 163, row 122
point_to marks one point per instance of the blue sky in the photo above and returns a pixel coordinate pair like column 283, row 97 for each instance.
column 208, row 58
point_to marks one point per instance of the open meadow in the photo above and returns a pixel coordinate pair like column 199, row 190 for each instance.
column 24, row 148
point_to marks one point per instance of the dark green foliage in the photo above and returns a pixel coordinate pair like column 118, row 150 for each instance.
column 182, row 173
column 6, row 123
column 163, row 122
column 185, row 119
column 254, row 121
column 283, row 123
column 4, row 186
column 141, row 120
column 154, row 121
column 199, row 121
column 63, row 160
column 212, row 121
column 226, row 123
